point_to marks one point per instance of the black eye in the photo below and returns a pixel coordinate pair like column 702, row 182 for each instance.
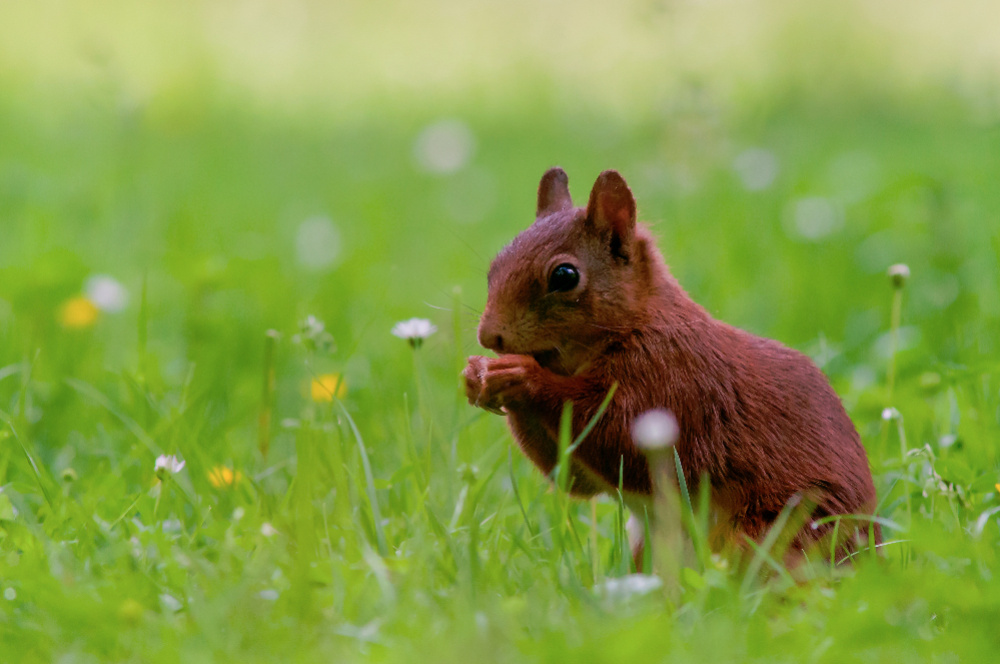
column 564, row 278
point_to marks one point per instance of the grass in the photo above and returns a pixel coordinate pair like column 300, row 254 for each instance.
column 393, row 522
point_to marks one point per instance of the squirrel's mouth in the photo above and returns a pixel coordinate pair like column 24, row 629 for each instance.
column 551, row 359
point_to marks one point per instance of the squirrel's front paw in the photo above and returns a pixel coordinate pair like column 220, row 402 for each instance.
column 494, row 383
column 475, row 377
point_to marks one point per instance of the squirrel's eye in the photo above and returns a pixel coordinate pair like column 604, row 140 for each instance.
column 564, row 278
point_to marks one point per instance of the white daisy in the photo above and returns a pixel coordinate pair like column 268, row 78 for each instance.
column 414, row 330
column 168, row 463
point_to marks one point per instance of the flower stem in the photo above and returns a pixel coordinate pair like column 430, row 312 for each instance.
column 267, row 395
column 897, row 308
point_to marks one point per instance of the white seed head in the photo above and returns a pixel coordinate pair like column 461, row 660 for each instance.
column 899, row 273
column 889, row 414
column 655, row 430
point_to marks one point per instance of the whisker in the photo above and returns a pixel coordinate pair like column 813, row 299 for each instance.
column 625, row 328
column 609, row 328
column 468, row 246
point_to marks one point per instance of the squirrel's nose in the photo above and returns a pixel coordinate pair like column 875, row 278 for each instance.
column 489, row 336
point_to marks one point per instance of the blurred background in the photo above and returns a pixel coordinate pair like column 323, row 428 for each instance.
column 213, row 170
column 198, row 196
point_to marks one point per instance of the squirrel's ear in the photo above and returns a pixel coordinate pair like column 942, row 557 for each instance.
column 553, row 192
column 612, row 209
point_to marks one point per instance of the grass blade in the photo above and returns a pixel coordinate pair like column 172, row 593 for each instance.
column 383, row 548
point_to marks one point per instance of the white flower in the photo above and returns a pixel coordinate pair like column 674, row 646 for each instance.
column 107, row 293
column 757, row 168
column 889, row 414
column 313, row 335
column 813, row 218
column 168, row 463
column 172, row 525
column 899, row 273
column 655, row 430
column 632, row 585
column 317, row 244
column 312, row 326
column 171, row 603
column 414, row 330
column 444, row 147
column 267, row 530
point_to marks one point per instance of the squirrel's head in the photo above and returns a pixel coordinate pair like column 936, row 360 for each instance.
column 571, row 280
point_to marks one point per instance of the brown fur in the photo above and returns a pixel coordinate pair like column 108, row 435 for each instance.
column 757, row 418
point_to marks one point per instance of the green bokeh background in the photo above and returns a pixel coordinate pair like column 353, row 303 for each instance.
column 180, row 147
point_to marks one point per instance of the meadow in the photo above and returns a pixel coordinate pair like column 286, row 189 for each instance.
column 212, row 217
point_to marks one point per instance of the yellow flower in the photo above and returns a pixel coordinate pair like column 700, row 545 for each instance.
column 130, row 611
column 324, row 387
column 77, row 313
column 222, row 477
column 998, row 487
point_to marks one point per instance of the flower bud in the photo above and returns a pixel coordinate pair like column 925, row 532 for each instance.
column 899, row 273
column 655, row 430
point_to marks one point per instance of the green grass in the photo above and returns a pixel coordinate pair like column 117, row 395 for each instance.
column 398, row 523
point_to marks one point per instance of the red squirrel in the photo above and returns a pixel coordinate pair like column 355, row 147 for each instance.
column 583, row 300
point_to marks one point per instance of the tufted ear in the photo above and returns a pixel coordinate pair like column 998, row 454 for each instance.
column 553, row 193
column 611, row 211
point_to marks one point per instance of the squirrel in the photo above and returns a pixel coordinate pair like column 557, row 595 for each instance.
column 582, row 300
